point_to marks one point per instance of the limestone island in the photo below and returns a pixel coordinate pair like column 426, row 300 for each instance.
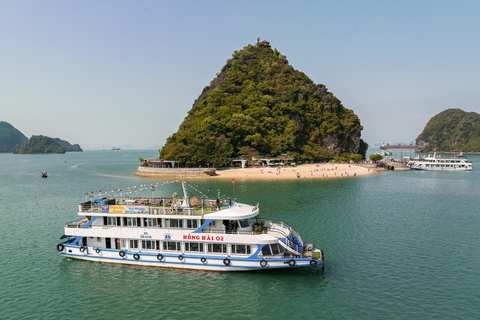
column 261, row 118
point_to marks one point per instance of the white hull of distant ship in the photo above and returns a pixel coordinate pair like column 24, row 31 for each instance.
column 175, row 235
column 441, row 164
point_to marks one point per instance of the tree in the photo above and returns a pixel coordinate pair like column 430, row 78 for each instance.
column 375, row 157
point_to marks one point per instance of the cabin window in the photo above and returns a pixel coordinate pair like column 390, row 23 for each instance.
column 192, row 224
column 217, row 248
column 173, row 223
column 276, row 248
column 172, row 246
column 266, row 250
column 123, row 243
column 150, row 245
column 111, row 221
column 133, row 244
column 150, row 222
column 194, row 246
column 244, row 223
column 241, row 249
column 132, row 222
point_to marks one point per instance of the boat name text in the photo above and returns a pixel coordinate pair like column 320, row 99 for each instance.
column 197, row 237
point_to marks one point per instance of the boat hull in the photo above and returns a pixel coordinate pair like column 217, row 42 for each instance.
column 439, row 169
column 187, row 261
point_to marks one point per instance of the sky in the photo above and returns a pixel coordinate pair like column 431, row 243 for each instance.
column 121, row 73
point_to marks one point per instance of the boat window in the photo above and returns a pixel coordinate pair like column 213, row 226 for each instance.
column 150, row 222
column 192, row 224
column 244, row 223
column 173, row 223
column 150, row 245
column 194, row 246
column 111, row 221
column 276, row 248
column 241, row 249
column 133, row 244
column 132, row 222
column 266, row 250
column 217, row 248
column 123, row 243
column 172, row 246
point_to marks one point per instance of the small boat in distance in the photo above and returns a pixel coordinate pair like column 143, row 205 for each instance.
column 44, row 174
column 115, row 149
column 169, row 231
column 460, row 155
column 440, row 164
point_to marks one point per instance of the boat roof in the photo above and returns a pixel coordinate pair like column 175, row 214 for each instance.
column 238, row 211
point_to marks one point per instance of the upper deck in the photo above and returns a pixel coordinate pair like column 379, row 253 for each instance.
column 206, row 208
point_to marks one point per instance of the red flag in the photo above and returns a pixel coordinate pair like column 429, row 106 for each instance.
column 233, row 181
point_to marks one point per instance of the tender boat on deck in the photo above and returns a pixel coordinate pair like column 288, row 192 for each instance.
column 200, row 234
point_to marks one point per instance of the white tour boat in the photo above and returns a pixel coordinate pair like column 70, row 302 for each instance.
column 440, row 164
column 178, row 233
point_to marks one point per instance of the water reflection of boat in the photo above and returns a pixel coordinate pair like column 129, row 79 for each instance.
column 205, row 234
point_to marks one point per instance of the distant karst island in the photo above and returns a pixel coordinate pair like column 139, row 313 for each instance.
column 260, row 106
column 452, row 130
column 12, row 140
column 10, row 137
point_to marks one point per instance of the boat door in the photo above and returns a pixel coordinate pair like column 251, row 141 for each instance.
column 117, row 241
column 108, row 243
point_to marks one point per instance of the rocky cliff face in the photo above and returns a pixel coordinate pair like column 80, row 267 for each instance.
column 261, row 102
column 452, row 130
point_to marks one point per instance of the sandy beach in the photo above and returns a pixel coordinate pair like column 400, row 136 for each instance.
column 304, row 172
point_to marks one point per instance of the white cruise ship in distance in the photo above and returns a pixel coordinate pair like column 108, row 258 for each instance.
column 202, row 234
column 440, row 164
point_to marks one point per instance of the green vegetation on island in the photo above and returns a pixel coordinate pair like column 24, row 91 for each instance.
column 452, row 130
column 10, row 137
column 39, row 144
column 260, row 105
column 68, row 147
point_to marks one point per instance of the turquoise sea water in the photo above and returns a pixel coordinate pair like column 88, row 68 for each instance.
column 398, row 245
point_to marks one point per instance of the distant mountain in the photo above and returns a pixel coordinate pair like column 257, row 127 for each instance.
column 68, row 147
column 260, row 105
column 452, row 130
column 39, row 144
column 10, row 137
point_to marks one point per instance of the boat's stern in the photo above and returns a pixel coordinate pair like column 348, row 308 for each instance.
column 314, row 253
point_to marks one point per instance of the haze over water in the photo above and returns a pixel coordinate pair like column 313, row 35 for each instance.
column 400, row 245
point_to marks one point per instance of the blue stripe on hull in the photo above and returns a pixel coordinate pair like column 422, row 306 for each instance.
column 300, row 262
